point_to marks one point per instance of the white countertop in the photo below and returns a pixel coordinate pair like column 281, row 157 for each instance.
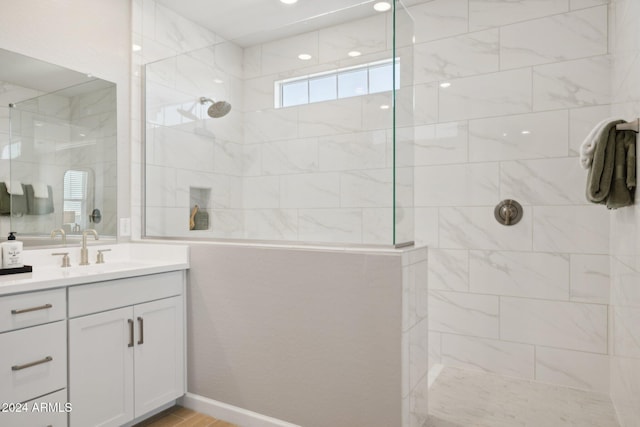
column 122, row 261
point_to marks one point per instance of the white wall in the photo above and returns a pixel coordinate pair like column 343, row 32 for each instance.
column 625, row 224
column 528, row 79
column 92, row 36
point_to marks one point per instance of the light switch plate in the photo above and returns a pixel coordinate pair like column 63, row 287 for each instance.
column 125, row 227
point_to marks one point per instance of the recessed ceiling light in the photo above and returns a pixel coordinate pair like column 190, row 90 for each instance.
column 382, row 6
column 304, row 56
column 525, row 132
column 384, row 107
column 136, row 48
column 288, row 1
column 218, row 81
column 354, row 53
column 445, row 85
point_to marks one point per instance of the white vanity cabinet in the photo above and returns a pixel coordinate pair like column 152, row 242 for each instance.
column 126, row 348
column 33, row 359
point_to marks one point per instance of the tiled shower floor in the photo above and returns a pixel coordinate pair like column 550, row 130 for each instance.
column 460, row 398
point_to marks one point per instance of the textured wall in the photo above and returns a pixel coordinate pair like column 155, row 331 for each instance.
column 625, row 224
column 308, row 337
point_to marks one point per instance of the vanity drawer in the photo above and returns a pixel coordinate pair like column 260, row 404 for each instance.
column 54, row 416
column 33, row 308
column 103, row 296
column 33, row 362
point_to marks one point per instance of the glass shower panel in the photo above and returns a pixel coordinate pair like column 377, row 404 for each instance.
column 403, row 126
column 68, row 133
column 295, row 160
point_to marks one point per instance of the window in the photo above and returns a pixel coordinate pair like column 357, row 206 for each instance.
column 75, row 197
column 363, row 79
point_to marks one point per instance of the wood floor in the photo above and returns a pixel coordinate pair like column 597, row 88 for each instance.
column 183, row 417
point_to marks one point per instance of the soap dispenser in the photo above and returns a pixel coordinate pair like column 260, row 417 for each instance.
column 12, row 252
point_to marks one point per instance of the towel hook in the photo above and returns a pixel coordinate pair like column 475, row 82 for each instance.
column 634, row 126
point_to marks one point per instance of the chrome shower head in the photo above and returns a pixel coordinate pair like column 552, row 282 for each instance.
column 216, row 109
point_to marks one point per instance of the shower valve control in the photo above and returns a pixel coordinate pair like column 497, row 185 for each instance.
column 508, row 212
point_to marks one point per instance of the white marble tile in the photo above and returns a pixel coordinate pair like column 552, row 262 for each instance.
column 426, row 226
column 476, row 228
column 371, row 188
column 269, row 125
column 426, row 104
column 625, row 389
column 418, row 352
column 522, row 274
column 435, row 349
column 499, row 357
column 270, row 224
column 419, row 404
column 457, row 185
column 544, row 181
column 364, row 35
column 377, row 226
column 449, row 269
column 523, row 136
column 483, row 14
column 582, row 4
column 352, row 151
column 165, row 222
column 376, row 114
column 180, row 33
column 330, row 117
column 252, row 61
column 330, row 225
column 587, row 371
column 444, row 143
column 582, row 34
column 259, row 93
column 590, row 278
column 282, row 55
column 495, row 94
column 319, row 190
column 567, row 325
column 582, row 121
column 462, row 313
column 251, row 159
column 439, row 19
column 460, row 56
column 261, row 192
column 292, row 156
column 174, row 148
column 577, row 83
column 575, row 229
column 161, row 186
column 227, row 223
column 227, row 157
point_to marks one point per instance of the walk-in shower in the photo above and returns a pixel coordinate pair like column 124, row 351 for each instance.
column 317, row 148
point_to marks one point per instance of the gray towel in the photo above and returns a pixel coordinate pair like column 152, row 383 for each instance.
column 10, row 203
column 612, row 176
column 38, row 205
column 624, row 175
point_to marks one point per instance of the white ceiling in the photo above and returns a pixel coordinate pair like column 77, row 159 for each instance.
column 249, row 22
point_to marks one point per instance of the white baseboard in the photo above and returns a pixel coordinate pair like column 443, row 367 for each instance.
column 230, row 413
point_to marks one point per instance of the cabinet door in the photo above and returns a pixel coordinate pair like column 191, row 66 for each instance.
column 101, row 368
column 159, row 353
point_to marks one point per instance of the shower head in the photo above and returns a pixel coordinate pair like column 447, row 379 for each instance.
column 217, row 109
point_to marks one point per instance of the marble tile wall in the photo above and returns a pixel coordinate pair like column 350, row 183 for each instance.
column 624, row 343
column 515, row 87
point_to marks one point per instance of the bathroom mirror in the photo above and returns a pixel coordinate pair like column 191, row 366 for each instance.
column 57, row 151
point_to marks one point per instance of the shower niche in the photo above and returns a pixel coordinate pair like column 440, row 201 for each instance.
column 333, row 164
column 199, row 208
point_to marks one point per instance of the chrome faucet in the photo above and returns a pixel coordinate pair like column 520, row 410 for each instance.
column 84, row 253
column 61, row 232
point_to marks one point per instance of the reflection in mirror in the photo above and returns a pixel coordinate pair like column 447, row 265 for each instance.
column 58, row 150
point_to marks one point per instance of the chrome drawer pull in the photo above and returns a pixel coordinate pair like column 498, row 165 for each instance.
column 130, row 332
column 27, row 310
column 141, row 323
column 28, row 365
